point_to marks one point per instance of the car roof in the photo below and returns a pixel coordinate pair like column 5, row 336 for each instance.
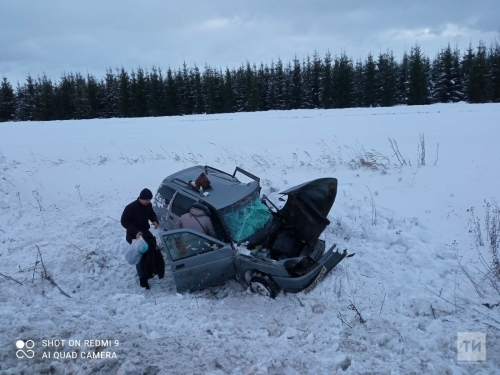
column 224, row 189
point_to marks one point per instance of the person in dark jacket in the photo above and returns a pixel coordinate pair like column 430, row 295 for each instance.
column 135, row 219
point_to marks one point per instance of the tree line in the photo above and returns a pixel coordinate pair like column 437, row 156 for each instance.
column 317, row 82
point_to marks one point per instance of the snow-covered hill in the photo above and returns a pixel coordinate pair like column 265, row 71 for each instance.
column 63, row 186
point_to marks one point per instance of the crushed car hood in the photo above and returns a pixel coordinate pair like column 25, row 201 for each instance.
column 307, row 207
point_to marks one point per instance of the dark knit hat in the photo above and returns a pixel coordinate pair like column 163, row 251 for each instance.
column 146, row 194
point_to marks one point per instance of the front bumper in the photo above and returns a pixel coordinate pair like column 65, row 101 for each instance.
column 297, row 284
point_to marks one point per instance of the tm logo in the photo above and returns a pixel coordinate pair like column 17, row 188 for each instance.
column 28, row 344
column 471, row 346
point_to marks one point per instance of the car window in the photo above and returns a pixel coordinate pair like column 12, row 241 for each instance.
column 166, row 193
column 181, row 204
column 184, row 245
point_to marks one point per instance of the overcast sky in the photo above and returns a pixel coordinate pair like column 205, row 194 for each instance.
column 56, row 36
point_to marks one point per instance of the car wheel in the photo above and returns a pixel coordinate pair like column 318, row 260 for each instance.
column 264, row 286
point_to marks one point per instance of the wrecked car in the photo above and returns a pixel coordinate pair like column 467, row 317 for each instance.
column 256, row 243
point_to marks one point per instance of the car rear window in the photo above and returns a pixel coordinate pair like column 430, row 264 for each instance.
column 165, row 194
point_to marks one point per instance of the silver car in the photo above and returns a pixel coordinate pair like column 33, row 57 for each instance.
column 266, row 248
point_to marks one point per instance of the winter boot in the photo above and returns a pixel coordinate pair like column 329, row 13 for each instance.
column 144, row 282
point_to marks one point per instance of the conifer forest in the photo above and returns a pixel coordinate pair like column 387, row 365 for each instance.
column 329, row 81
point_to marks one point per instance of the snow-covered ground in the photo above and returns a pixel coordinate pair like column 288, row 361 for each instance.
column 63, row 186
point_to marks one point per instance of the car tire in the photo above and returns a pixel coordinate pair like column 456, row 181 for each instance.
column 264, row 286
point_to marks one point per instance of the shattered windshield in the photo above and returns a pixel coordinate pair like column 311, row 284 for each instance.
column 246, row 217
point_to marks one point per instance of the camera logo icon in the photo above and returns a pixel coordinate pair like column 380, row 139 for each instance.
column 28, row 344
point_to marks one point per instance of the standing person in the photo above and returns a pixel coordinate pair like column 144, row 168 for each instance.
column 135, row 219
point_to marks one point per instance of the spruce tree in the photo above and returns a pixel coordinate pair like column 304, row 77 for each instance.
column 271, row 89
column 179, row 84
column 446, row 76
column 369, row 82
column 26, row 109
column 343, row 76
column 133, row 94
column 428, row 75
column 457, row 90
column 156, row 102
column 218, row 91
column 252, row 98
column 239, row 85
column 95, row 95
column 296, row 87
column 110, row 100
column 139, row 89
column 477, row 86
column 288, row 85
column 326, row 95
column 404, row 79
column 19, row 102
column 7, row 101
column 81, row 102
column 306, row 76
column 418, row 90
column 466, row 67
column 186, row 91
column 209, row 94
column 63, row 101
column 494, row 72
column 279, row 86
column 358, row 84
column 438, row 93
column 387, row 80
column 213, row 82
column 229, row 91
column 123, row 93
column 263, row 84
column 196, row 84
column 172, row 95
column 44, row 89
column 316, row 80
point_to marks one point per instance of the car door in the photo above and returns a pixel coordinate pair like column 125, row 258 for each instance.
column 197, row 260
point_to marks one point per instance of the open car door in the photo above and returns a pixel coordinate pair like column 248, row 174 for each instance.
column 197, row 260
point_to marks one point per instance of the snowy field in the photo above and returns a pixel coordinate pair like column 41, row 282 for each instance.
column 63, row 186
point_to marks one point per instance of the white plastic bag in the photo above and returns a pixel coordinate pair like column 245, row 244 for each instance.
column 135, row 251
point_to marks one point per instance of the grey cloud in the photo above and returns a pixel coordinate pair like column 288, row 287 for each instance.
column 58, row 35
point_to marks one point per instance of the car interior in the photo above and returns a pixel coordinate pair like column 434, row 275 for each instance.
column 219, row 229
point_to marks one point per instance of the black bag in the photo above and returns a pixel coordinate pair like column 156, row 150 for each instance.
column 152, row 261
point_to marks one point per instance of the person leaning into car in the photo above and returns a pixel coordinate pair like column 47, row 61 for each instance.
column 135, row 219
column 197, row 218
